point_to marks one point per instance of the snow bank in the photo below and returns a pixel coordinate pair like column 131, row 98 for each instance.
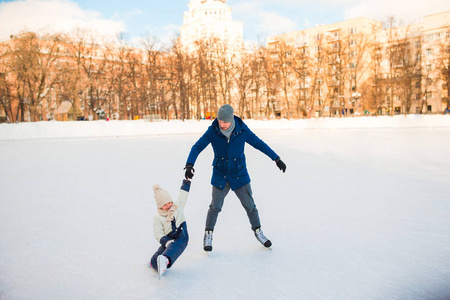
column 51, row 130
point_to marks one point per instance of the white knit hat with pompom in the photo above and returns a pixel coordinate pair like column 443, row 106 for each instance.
column 161, row 196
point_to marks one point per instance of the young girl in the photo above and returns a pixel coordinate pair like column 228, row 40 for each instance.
column 169, row 227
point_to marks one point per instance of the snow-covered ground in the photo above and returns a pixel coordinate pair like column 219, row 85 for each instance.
column 362, row 212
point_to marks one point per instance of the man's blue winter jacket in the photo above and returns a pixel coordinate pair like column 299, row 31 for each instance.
column 229, row 158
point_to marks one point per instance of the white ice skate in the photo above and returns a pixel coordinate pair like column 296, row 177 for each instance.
column 162, row 264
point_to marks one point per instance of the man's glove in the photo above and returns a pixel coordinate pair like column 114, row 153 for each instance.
column 189, row 171
column 280, row 164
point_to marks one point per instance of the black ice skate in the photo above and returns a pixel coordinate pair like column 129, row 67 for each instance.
column 207, row 240
column 262, row 239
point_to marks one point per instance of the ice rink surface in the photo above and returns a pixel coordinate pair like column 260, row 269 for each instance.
column 360, row 213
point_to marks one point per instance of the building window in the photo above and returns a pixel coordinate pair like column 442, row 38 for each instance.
column 428, row 52
column 429, row 95
column 352, row 30
column 301, row 40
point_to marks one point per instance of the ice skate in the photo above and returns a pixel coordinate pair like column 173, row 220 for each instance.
column 262, row 239
column 207, row 241
column 162, row 264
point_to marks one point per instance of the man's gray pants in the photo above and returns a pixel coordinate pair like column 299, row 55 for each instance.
column 245, row 196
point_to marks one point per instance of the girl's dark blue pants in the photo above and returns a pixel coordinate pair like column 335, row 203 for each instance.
column 175, row 249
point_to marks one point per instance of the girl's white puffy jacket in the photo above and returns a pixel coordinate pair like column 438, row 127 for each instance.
column 161, row 227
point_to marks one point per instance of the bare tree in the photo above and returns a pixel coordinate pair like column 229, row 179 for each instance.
column 6, row 98
column 376, row 90
column 358, row 63
column 205, row 67
column 32, row 63
column 443, row 66
column 409, row 72
column 257, row 81
column 181, row 78
column 401, row 65
column 244, row 85
column 226, row 59
column 271, row 79
column 284, row 57
column 318, row 76
column 117, row 56
column 86, row 54
column 153, row 73
column 336, row 68
column 135, row 75
column 301, row 65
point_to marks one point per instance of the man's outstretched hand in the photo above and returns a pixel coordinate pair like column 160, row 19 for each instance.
column 190, row 171
column 280, row 164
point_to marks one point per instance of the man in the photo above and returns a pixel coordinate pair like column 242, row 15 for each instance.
column 228, row 135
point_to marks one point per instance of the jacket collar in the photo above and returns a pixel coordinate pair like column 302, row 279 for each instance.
column 239, row 126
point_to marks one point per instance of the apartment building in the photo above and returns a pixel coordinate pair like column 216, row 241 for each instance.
column 358, row 67
column 435, row 57
column 208, row 19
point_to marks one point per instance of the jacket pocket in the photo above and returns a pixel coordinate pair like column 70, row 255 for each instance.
column 238, row 167
column 219, row 163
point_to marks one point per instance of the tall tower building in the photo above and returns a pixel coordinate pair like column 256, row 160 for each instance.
column 207, row 19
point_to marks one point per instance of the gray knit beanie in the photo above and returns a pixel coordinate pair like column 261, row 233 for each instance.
column 225, row 113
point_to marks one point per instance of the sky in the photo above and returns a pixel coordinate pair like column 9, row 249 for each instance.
column 162, row 19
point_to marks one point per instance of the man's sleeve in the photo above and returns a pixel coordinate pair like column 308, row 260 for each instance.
column 198, row 147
